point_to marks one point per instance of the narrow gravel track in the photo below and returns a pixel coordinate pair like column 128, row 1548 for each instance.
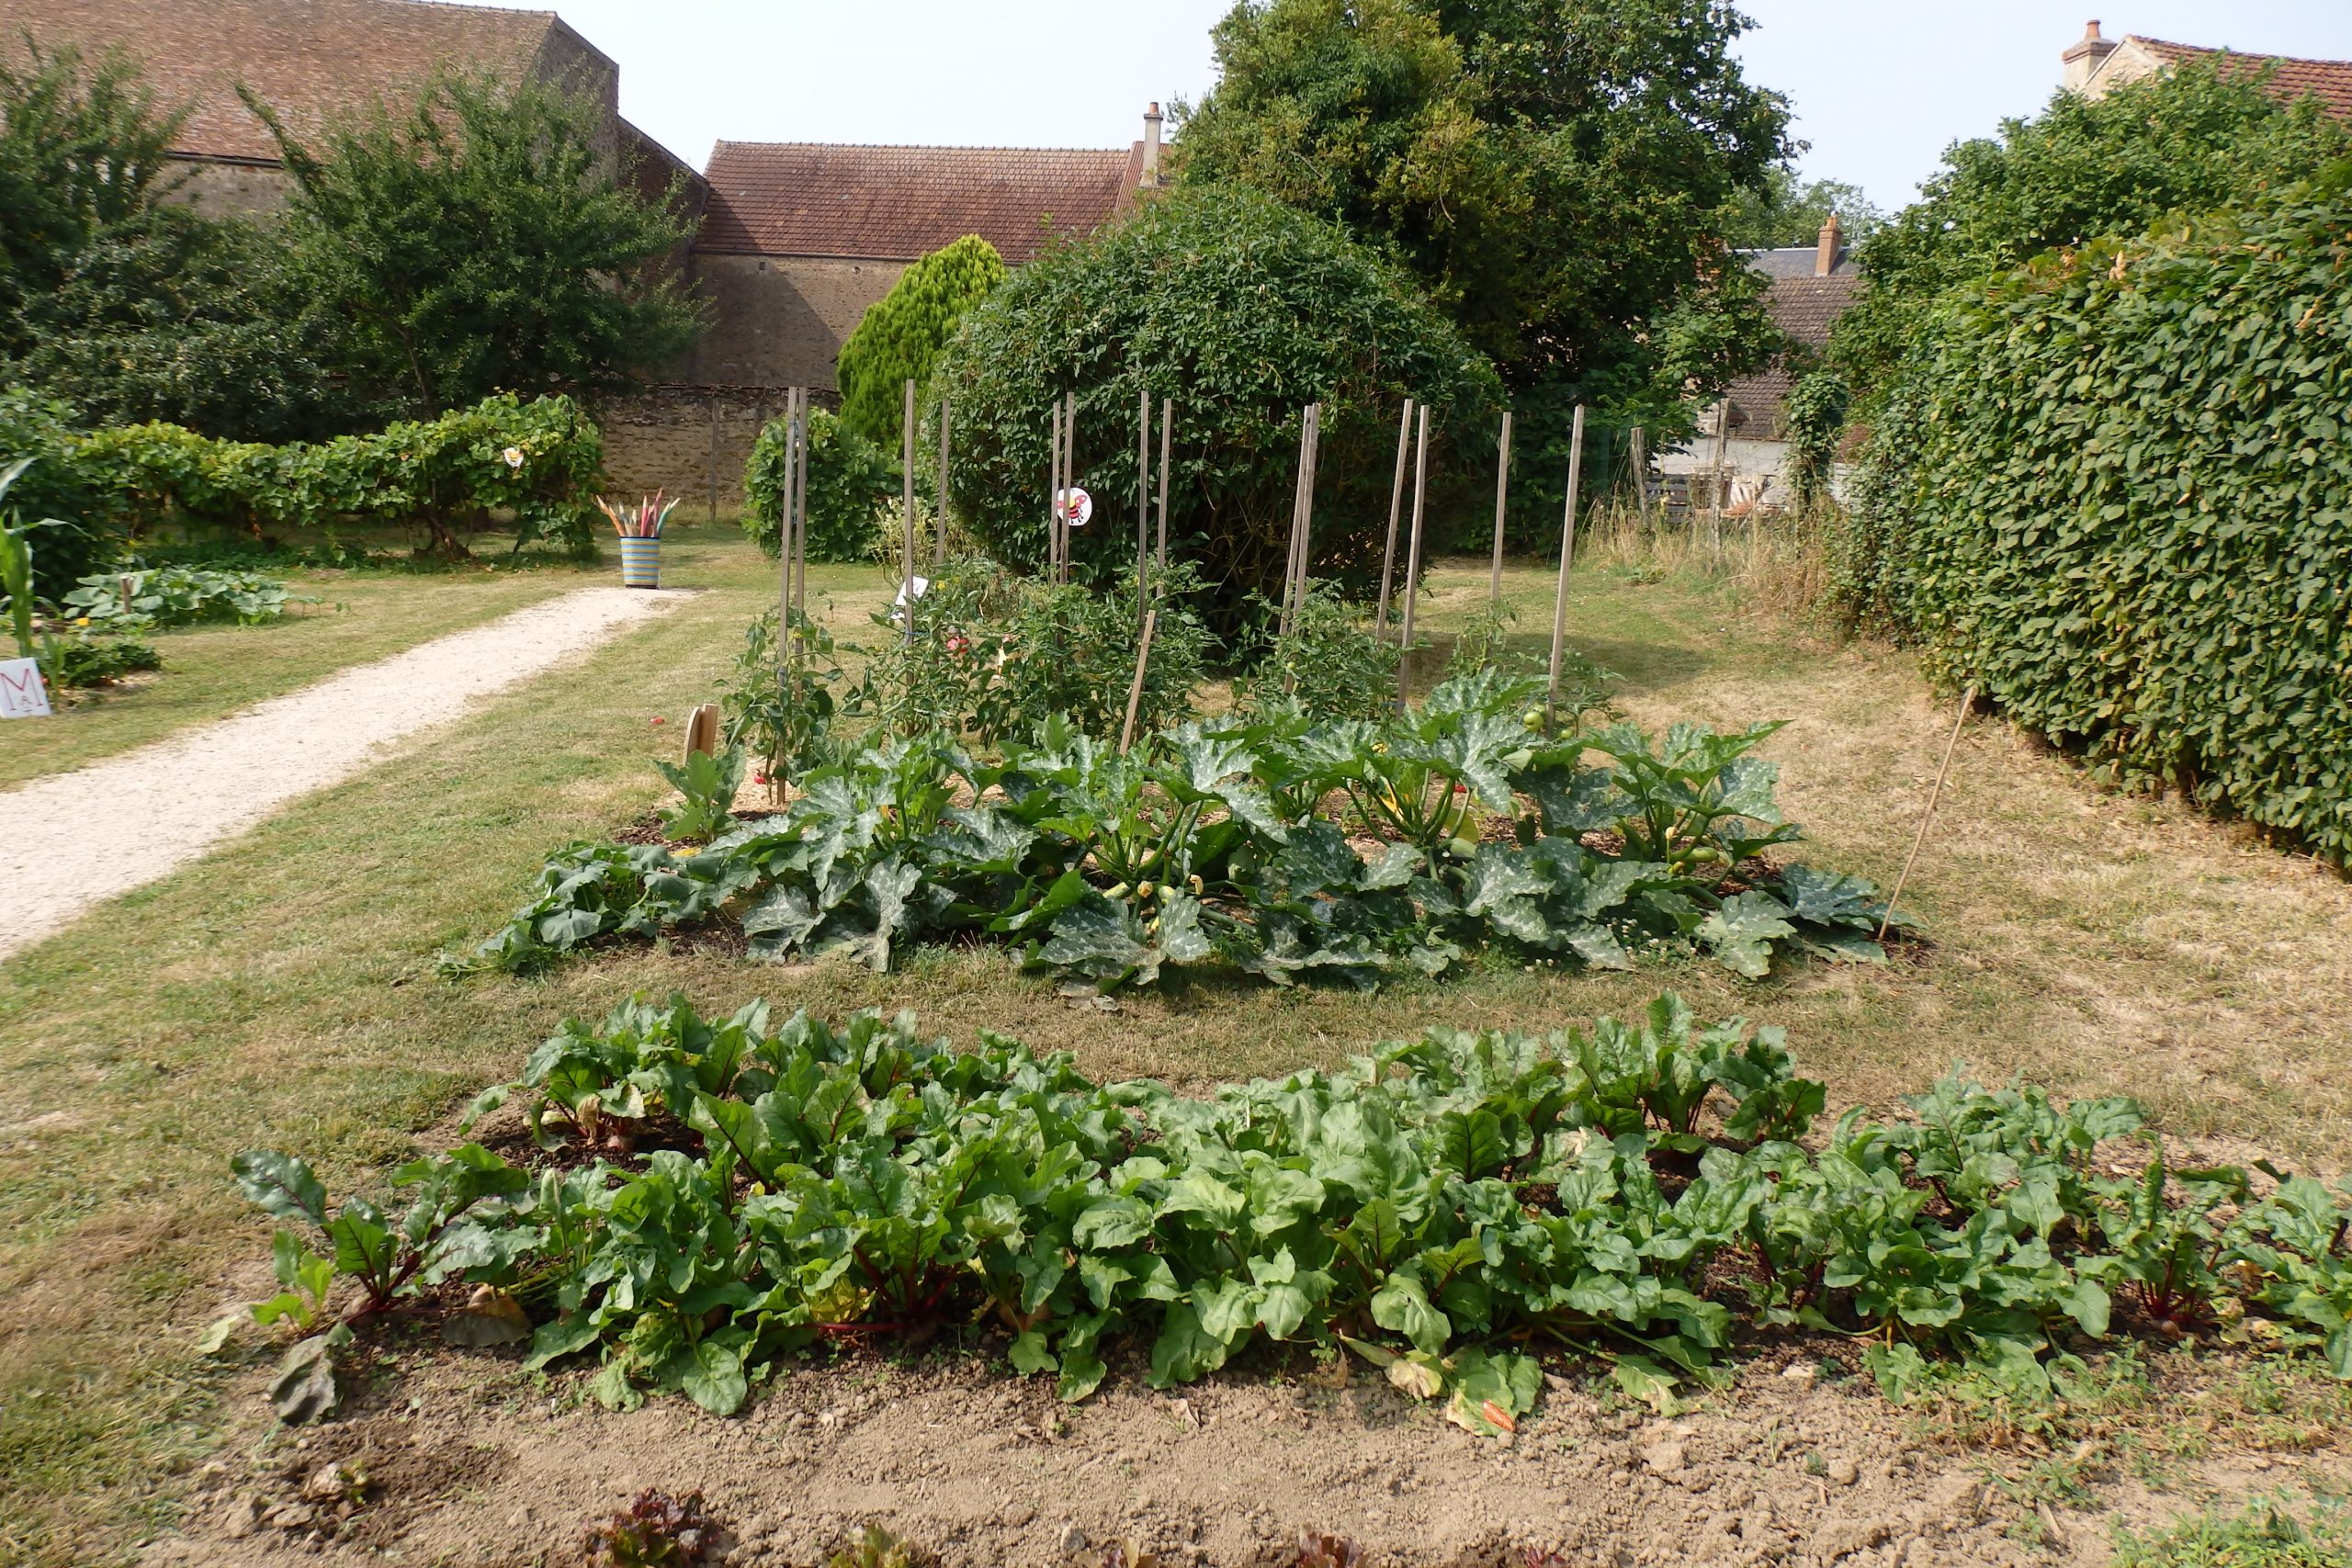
column 75, row 840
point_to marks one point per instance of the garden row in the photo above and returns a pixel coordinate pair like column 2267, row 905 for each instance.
column 1447, row 1209
column 1268, row 843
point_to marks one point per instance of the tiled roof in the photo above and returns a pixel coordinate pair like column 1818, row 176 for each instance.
column 307, row 59
column 2329, row 81
column 898, row 203
column 1805, row 308
column 1796, row 260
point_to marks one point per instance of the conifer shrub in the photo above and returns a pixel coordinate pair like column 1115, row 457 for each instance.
column 900, row 337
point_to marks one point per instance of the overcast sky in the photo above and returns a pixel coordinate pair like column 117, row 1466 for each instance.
column 1880, row 86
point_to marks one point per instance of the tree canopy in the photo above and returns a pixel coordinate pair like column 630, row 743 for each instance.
column 2183, row 142
column 900, row 337
column 482, row 241
column 1789, row 211
column 1242, row 311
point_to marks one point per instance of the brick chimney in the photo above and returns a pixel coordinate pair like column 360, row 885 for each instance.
column 1824, row 256
column 1150, row 147
column 2085, row 56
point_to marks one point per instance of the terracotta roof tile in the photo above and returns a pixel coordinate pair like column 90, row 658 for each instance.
column 1806, row 308
column 898, row 203
column 308, row 59
column 2329, row 81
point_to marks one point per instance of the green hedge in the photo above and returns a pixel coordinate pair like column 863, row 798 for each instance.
column 2114, row 493
column 849, row 476
column 431, row 474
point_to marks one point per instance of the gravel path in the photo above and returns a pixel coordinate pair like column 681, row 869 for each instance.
column 75, row 840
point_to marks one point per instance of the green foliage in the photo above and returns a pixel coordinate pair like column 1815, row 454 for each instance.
column 1330, row 666
column 781, row 711
column 849, row 476
column 1816, row 413
column 1495, row 147
column 1440, row 1207
column 1242, row 311
column 480, row 240
column 2181, row 141
column 2053, row 508
column 2267, row 1533
column 150, row 597
column 1208, row 846
column 900, row 337
column 1787, row 211
column 538, row 460
column 46, row 491
column 80, row 660
column 706, row 785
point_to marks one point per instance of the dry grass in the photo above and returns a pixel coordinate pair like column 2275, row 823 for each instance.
column 280, row 991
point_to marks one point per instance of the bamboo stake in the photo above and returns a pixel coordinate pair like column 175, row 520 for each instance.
column 1135, row 692
column 1943, row 771
column 1413, row 553
column 1167, row 430
column 1396, row 506
column 1143, row 501
column 939, row 557
column 1567, row 555
column 1503, row 499
column 907, row 486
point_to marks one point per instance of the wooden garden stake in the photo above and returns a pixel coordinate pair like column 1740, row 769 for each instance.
column 1503, row 499
column 800, row 507
column 1135, row 692
column 1943, row 771
column 1413, row 551
column 783, row 537
column 1396, row 506
column 1639, row 461
column 1297, row 503
column 1053, row 494
column 939, row 557
column 1167, row 430
column 1143, row 501
column 906, row 483
column 1069, row 475
column 1715, row 509
column 1568, row 555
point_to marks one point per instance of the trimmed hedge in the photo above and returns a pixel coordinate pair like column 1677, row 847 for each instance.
column 430, row 474
column 849, row 478
column 2115, row 495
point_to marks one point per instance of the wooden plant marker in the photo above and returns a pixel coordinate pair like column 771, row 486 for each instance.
column 1135, row 692
column 1413, row 555
column 702, row 732
column 1396, row 507
column 1503, row 499
column 1943, row 771
column 1567, row 555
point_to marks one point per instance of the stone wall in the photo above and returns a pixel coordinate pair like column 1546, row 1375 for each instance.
column 221, row 189
column 780, row 320
column 690, row 441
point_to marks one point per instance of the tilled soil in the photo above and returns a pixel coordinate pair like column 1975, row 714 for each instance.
column 467, row 1459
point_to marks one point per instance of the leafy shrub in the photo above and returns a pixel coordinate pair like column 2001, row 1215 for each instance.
column 1637, row 1193
column 901, row 336
column 1209, row 846
column 781, row 711
column 1330, row 666
column 2054, row 512
column 539, row 460
column 79, row 660
column 85, row 536
column 706, row 785
column 997, row 655
column 849, row 476
column 1242, row 313
column 1817, row 409
column 176, row 596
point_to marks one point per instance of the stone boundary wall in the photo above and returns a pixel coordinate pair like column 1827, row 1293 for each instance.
column 690, row 441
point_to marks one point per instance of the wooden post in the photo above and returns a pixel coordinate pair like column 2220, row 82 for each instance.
column 1302, row 513
column 1567, row 555
column 1503, row 499
column 1167, row 429
column 1053, row 492
column 907, row 491
column 1135, row 692
column 784, row 541
column 1396, row 507
column 1143, row 502
column 939, row 556
column 702, row 732
column 1967, row 701
column 1413, row 554
column 1639, row 459
column 1715, row 491
column 1070, row 476
column 801, row 508
column 1306, row 520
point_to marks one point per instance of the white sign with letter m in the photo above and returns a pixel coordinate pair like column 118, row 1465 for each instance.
column 21, row 693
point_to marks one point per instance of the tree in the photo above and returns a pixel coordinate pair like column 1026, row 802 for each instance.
column 1242, row 311
column 482, row 241
column 1552, row 170
column 1788, row 211
column 2185, row 141
column 899, row 338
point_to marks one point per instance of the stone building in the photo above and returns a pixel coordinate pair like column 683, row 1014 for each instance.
column 792, row 241
column 2094, row 65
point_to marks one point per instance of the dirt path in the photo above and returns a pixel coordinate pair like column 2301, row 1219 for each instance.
column 78, row 839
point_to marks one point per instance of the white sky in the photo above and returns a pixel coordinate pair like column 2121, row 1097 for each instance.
column 1880, row 86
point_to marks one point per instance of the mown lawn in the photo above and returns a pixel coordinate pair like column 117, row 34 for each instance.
column 211, row 672
column 282, row 991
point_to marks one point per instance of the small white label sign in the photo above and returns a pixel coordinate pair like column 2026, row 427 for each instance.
column 22, row 695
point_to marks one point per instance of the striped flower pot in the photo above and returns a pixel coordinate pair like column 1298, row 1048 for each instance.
column 640, row 563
